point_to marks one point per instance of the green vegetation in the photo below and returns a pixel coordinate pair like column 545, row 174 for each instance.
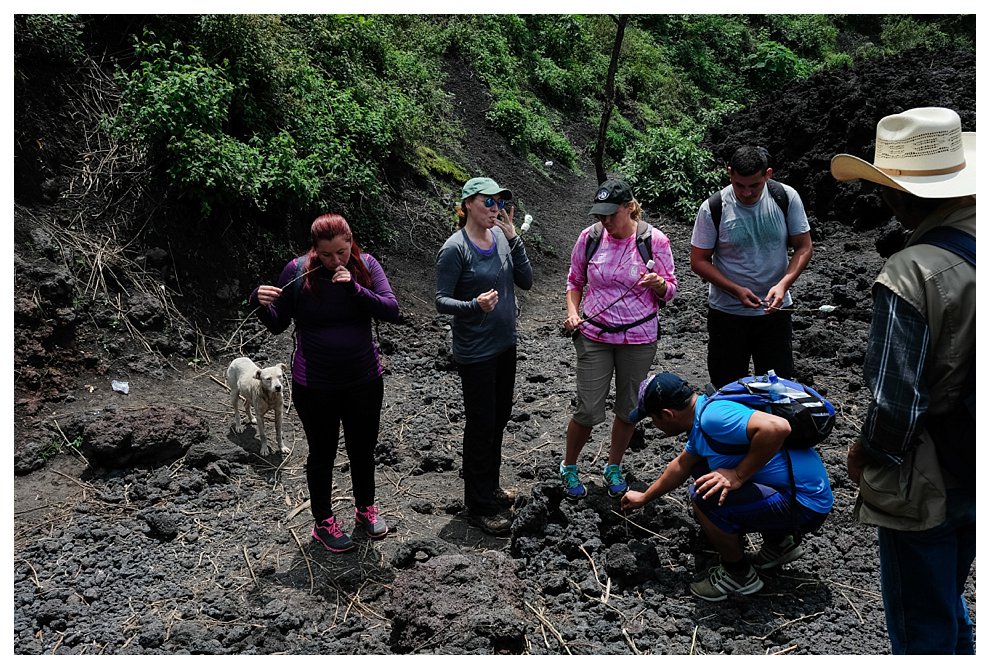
column 57, row 446
column 281, row 117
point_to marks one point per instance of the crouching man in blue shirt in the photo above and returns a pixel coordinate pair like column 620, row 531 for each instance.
column 782, row 494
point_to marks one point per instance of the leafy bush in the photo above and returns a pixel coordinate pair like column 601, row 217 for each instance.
column 529, row 131
column 772, row 65
column 620, row 135
column 808, row 35
column 168, row 94
column 670, row 171
column 508, row 116
column 903, row 32
column 55, row 37
column 285, row 116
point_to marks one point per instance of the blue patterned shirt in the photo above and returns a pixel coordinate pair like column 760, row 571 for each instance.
column 894, row 369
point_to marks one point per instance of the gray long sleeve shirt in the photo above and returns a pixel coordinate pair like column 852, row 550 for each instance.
column 465, row 271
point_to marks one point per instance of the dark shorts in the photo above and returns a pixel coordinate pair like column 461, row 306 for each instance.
column 758, row 508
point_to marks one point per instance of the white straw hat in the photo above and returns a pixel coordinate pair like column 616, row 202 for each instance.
column 921, row 151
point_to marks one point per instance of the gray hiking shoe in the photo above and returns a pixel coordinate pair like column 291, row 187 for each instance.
column 717, row 584
column 774, row 555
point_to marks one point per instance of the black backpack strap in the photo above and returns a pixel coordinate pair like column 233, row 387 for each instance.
column 644, row 240
column 592, row 243
column 300, row 270
column 715, row 207
column 779, row 196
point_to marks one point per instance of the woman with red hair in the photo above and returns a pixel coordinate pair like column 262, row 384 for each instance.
column 332, row 293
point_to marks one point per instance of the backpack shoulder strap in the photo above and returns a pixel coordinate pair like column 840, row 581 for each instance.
column 715, row 207
column 779, row 195
column 777, row 192
column 961, row 243
column 718, row 446
column 644, row 240
column 593, row 241
column 300, row 270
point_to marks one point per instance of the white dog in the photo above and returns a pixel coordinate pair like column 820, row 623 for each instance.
column 262, row 391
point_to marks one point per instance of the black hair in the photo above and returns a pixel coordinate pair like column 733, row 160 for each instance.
column 749, row 160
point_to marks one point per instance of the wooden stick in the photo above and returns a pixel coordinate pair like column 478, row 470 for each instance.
column 312, row 581
column 789, row 622
column 858, row 615
column 593, row 567
column 553, row 630
column 648, row 531
column 785, row 650
column 250, row 568
column 632, row 644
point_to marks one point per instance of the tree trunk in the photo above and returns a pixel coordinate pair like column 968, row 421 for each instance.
column 613, row 65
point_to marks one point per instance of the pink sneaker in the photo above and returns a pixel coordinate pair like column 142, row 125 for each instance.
column 367, row 519
column 331, row 536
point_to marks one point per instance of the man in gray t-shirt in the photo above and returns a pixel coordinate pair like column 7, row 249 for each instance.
column 745, row 261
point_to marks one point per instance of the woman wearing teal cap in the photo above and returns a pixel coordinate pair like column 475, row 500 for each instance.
column 478, row 268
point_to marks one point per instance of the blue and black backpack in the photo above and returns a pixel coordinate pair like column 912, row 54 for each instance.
column 810, row 415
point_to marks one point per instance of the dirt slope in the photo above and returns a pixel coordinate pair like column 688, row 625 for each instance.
column 161, row 532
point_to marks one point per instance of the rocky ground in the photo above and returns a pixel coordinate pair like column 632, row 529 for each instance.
column 143, row 525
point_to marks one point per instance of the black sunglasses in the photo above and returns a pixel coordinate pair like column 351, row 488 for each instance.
column 489, row 201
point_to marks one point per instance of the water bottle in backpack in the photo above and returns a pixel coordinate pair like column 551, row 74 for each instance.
column 777, row 390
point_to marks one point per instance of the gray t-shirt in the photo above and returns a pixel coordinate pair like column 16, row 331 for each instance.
column 752, row 245
column 463, row 272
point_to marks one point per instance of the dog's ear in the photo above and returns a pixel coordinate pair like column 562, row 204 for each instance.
column 257, row 374
column 282, row 367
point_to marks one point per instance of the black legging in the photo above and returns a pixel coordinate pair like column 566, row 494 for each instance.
column 487, row 387
column 321, row 412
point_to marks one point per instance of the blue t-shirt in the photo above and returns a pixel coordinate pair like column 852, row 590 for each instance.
column 726, row 422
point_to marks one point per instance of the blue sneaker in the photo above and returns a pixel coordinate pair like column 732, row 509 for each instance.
column 615, row 481
column 573, row 488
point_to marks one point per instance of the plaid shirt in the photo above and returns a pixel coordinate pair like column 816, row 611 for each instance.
column 894, row 369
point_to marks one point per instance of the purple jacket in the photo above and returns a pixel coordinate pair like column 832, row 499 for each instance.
column 334, row 343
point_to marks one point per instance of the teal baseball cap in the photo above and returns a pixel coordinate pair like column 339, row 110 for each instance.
column 484, row 186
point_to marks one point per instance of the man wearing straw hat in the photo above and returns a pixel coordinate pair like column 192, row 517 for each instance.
column 915, row 459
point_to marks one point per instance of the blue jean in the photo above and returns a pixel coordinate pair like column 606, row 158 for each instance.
column 922, row 577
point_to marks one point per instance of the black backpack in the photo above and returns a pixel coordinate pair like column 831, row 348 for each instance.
column 777, row 192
